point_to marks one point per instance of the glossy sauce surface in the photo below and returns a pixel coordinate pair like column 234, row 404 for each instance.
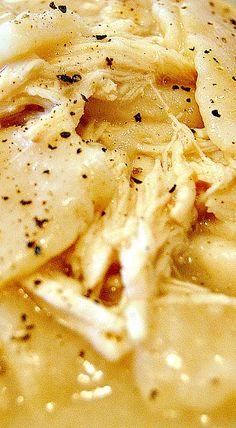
column 51, row 377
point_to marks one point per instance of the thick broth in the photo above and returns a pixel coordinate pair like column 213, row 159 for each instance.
column 51, row 377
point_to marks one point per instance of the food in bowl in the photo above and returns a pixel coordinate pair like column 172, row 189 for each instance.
column 118, row 128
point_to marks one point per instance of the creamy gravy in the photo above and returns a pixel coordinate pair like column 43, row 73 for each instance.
column 49, row 375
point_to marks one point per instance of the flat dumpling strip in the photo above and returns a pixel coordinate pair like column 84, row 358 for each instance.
column 131, row 16
column 103, row 328
column 26, row 376
column 210, row 259
column 212, row 37
column 188, row 360
column 34, row 32
column 212, row 95
column 168, row 18
column 90, row 8
column 19, row 72
column 39, row 200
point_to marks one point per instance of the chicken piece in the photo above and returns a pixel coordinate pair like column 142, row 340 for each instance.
column 102, row 327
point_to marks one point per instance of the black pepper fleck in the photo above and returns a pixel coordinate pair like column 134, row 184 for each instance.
column 136, row 180
column 52, row 5
column 84, row 98
column 24, row 338
column 76, row 78
column 23, row 317
column 215, row 113
column 109, row 61
column 37, row 250
column 69, row 79
column 138, row 117
column 100, row 36
column 30, row 326
column 62, row 8
column 186, row 89
column 153, row 394
column 172, row 189
column 40, row 222
column 24, row 202
column 65, row 134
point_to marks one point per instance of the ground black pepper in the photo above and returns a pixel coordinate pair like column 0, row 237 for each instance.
column 136, row 180
column 52, row 147
column 186, row 89
column 24, row 202
column 153, row 394
column 69, row 79
column 109, row 61
column 173, row 188
column 100, row 36
column 40, row 222
column 215, row 113
column 84, row 97
column 65, row 134
column 138, row 117
column 37, row 250
column 52, row 5
column 62, row 8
